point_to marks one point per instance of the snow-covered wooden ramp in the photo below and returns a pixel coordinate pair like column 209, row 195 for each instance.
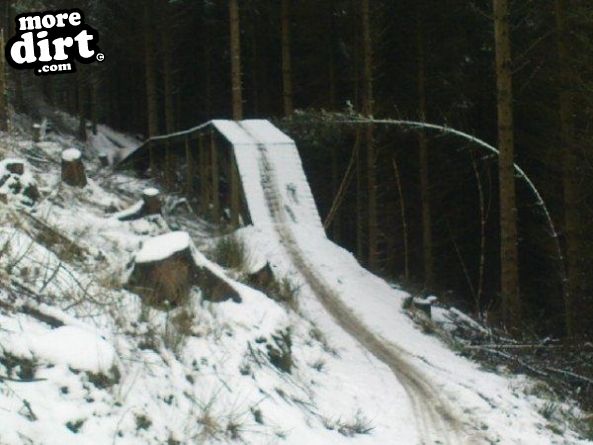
column 213, row 153
column 250, row 138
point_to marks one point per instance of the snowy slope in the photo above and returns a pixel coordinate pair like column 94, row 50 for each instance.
column 88, row 363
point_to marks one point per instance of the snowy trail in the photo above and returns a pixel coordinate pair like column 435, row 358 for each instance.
column 437, row 422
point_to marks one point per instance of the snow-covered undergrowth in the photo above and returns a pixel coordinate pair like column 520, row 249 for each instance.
column 83, row 360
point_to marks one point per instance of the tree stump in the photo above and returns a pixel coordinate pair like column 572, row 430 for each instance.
column 149, row 205
column 73, row 172
column 424, row 305
column 165, row 271
column 36, row 130
column 151, row 199
column 103, row 159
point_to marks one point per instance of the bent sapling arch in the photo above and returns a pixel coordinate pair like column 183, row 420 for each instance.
column 480, row 143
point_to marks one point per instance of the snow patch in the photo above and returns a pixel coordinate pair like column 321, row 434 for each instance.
column 163, row 246
column 74, row 347
column 150, row 191
column 71, row 154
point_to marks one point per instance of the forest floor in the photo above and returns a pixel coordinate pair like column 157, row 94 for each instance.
column 567, row 367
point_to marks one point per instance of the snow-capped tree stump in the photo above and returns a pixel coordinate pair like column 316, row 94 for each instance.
column 149, row 205
column 423, row 305
column 165, row 270
column 36, row 130
column 151, row 199
column 103, row 159
column 73, row 172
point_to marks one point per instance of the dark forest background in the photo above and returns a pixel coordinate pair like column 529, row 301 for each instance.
column 425, row 210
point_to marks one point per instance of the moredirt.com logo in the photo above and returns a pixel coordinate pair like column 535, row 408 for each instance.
column 52, row 42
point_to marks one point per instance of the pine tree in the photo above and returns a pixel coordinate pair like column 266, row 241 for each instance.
column 509, row 280
column 368, row 108
column 237, row 88
column 286, row 59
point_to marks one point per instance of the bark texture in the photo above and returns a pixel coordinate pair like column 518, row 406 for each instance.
column 368, row 108
column 236, row 60
column 577, row 311
column 3, row 101
column 73, row 173
column 286, row 60
column 509, row 268
column 427, row 254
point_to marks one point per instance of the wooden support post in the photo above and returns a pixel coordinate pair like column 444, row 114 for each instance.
column 215, row 178
column 235, row 191
column 204, row 183
column 190, row 169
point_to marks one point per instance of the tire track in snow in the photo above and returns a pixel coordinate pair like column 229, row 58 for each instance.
column 436, row 421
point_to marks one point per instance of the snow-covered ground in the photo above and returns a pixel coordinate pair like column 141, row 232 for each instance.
column 83, row 361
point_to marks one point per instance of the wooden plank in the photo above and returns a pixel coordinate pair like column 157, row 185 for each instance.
column 204, row 181
column 235, row 191
column 215, row 176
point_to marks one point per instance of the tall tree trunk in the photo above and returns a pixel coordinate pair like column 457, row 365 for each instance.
column 368, row 108
column 360, row 210
column 331, row 59
column 15, row 76
column 168, row 82
column 575, row 313
column 337, row 223
column 254, row 65
column 3, row 101
column 150, row 73
column 236, row 60
column 206, row 63
column 81, row 105
column 509, row 268
column 94, row 99
column 427, row 254
column 286, row 60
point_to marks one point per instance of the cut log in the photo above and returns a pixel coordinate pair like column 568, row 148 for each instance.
column 151, row 198
column 73, row 172
column 165, row 271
